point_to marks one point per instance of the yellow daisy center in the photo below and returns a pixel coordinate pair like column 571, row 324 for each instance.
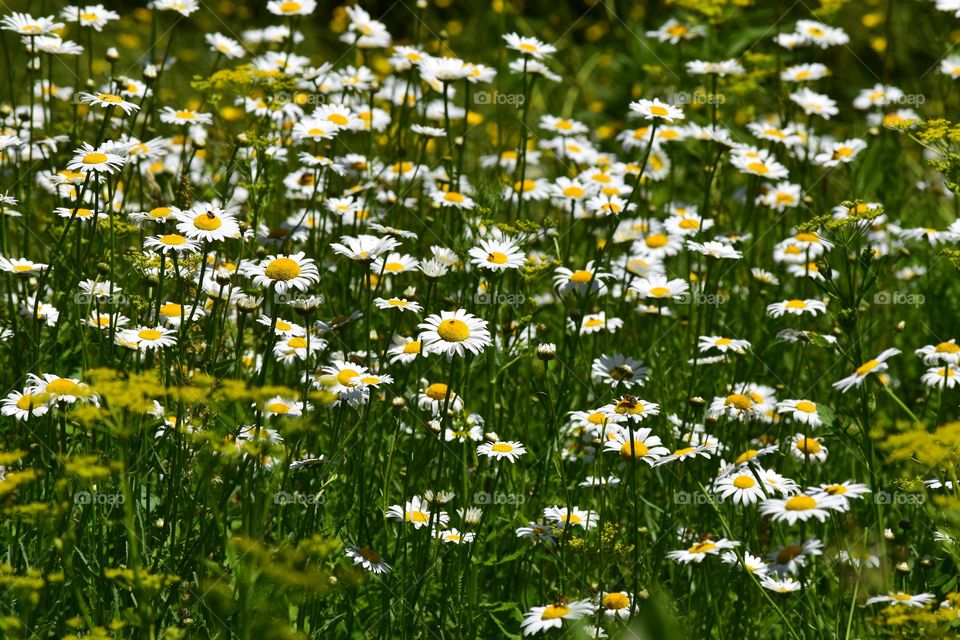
column 616, row 601
column 744, row 482
column 453, row 330
column 554, row 611
column 656, row 240
column 806, row 406
column 207, row 222
column 634, row 449
column 808, row 446
column 436, row 391
column 95, row 158
column 740, row 401
column 867, row 367
column 800, row 503
column 282, row 269
column 62, row 386
column 171, row 310
column 149, row 334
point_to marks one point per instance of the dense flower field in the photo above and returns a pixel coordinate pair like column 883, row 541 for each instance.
column 480, row 319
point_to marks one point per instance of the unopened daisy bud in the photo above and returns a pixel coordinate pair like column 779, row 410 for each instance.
column 458, row 141
column 409, row 292
column 421, row 4
column 471, row 515
column 903, row 567
column 873, row 131
column 6, row 110
column 103, row 268
column 398, row 403
column 441, row 497
column 159, row 524
column 808, row 199
column 492, row 437
column 434, row 425
column 222, row 277
column 926, row 561
column 112, row 54
column 150, row 72
column 242, row 139
column 901, row 326
column 696, row 401
column 200, row 143
column 547, row 351
column 306, row 306
column 888, row 533
column 247, row 304
column 90, row 84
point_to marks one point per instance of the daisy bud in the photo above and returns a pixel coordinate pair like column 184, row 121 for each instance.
column 150, row 72
column 903, row 567
column 112, row 54
column 247, row 304
column 888, row 534
column 492, row 437
column 242, row 139
column 398, row 403
column 696, row 401
column 306, row 306
column 434, row 425
column 5, row 110
column 222, row 278
column 458, row 141
column 421, row 4
column 901, row 326
column 873, row 131
column 547, row 351
column 926, row 561
column 103, row 268
column 90, row 84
